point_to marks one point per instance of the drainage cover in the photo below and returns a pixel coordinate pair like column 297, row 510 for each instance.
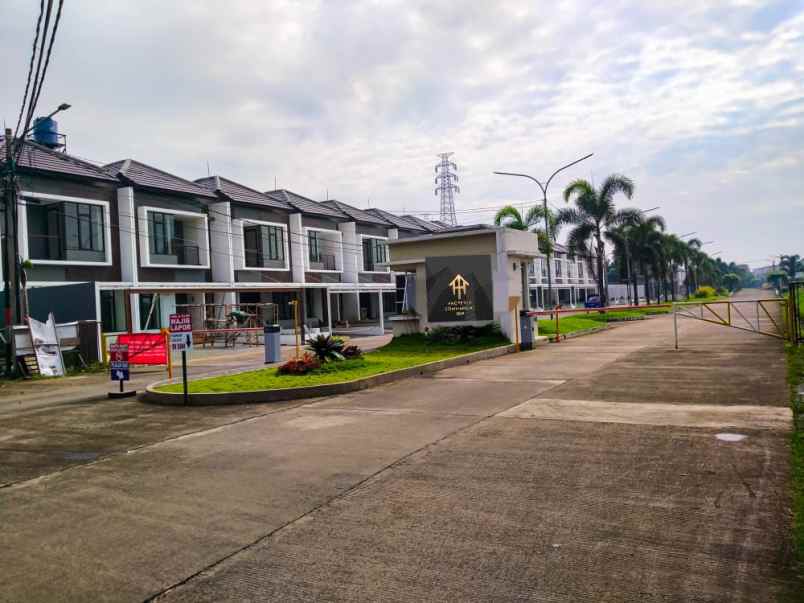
column 730, row 437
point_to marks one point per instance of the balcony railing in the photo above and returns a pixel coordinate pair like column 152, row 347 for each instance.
column 54, row 247
column 255, row 259
column 188, row 255
column 46, row 247
column 324, row 261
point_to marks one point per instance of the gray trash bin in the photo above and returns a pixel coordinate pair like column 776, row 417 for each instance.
column 525, row 331
column 273, row 352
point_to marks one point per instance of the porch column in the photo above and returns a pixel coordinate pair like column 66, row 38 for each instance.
column 329, row 311
column 382, row 318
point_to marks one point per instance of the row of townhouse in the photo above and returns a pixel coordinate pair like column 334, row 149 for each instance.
column 572, row 280
column 135, row 243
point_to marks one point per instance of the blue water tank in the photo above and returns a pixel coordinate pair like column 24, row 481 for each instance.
column 46, row 132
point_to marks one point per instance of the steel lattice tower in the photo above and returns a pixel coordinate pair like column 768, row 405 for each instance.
column 446, row 179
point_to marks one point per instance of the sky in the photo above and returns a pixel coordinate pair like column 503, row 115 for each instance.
column 700, row 103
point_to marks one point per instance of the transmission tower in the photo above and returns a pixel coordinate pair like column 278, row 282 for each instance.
column 446, row 179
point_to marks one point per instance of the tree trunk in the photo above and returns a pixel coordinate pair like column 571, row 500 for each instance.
column 604, row 296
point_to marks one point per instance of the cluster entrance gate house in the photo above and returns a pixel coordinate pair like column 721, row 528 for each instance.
column 467, row 276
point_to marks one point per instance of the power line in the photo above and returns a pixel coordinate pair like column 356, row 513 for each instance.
column 30, row 68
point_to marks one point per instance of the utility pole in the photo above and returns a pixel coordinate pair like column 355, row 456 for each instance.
column 10, row 254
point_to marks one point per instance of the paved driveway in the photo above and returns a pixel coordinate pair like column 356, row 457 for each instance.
column 565, row 474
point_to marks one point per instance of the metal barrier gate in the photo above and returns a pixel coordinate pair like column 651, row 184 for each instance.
column 796, row 312
column 770, row 317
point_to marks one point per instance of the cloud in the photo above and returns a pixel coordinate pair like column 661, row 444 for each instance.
column 358, row 97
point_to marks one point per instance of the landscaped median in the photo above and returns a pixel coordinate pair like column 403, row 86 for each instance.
column 405, row 356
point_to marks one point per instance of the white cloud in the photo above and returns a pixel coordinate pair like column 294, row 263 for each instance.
column 358, row 97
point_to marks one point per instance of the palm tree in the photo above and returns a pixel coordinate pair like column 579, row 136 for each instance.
column 630, row 243
column 646, row 248
column 792, row 265
column 510, row 217
column 594, row 214
column 692, row 246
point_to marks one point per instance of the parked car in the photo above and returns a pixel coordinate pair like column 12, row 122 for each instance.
column 593, row 301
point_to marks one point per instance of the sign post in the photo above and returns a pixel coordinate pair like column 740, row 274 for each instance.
column 119, row 368
column 181, row 340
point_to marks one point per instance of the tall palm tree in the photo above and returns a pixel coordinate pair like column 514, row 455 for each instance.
column 692, row 246
column 510, row 217
column 792, row 265
column 646, row 246
column 594, row 214
column 629, row 241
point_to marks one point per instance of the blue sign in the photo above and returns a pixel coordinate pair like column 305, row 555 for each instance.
column 119, row 371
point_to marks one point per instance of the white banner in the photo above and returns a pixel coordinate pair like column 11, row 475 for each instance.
column 46, row 347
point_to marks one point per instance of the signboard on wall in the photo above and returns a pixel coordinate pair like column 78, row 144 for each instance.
column 459, row 288
column 145, row 348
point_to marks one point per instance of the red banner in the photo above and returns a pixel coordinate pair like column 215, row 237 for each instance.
column 145, row 348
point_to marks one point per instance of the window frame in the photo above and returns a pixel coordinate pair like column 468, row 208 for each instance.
column 373, row 246
column 281, row 244
column 53, row 199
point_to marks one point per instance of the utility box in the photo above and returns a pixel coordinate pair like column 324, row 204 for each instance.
column 273, row 353
column 525, row 331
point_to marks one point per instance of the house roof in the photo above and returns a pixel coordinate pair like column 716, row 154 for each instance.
column 305, row 205
column 140, row 174
column 358, row 215
column 397, row 221
column 242, row 194
column 426, row 224
column 37, row 157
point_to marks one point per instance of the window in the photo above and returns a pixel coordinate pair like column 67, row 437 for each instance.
column 580, row 269
column 161, row 232
column 84, row 227
column 314, row 244
column 263, row 244
column 558, row 268
column 375, row 251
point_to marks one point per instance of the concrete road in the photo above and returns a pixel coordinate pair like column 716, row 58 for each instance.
column 565, row 474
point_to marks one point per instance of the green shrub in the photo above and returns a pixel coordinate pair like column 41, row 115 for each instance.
column 704, row 292
column 326, row 347
column 352, row 351
column 463, row 333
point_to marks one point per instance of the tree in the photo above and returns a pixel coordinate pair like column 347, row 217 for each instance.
column 593, row 215
column 633, row 246
column 791, row 265
column 731, row 281
column 510, row 217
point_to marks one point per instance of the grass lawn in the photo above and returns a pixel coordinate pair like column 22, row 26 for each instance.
column 402, row 352
column 593, row 319
column 795, row 373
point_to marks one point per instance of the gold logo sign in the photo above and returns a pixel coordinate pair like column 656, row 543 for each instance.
column 459, row 286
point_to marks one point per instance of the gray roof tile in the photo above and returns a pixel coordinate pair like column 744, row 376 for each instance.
column 397, row 221
column 242, row 194
column 426, row 224
column 140, row 174
column 36, row 157
column 358, row 215
column 305, row 205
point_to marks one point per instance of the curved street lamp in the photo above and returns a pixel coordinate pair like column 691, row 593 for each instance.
column 543, row 188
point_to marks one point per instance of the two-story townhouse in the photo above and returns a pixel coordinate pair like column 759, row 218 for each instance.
column 165, row 254
column 572, row 281
column 67, row 229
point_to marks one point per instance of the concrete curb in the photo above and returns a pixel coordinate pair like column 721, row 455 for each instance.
column 315, row 391
column 575, row 334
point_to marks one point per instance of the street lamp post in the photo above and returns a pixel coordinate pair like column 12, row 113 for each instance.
column 543, row 188
column 11, row 265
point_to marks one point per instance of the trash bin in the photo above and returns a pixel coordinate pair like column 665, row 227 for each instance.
column 271, row 338
column 525, row 331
